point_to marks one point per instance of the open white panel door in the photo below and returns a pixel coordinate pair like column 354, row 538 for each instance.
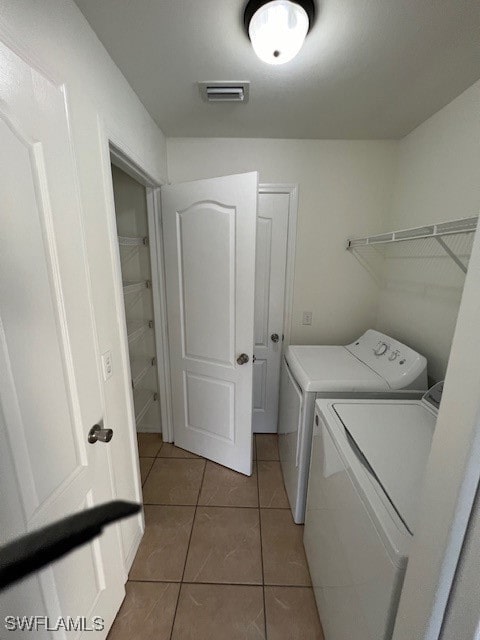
column 209, row 237
column 49, row 385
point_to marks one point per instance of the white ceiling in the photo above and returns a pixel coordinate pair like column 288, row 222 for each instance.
column 369, row 69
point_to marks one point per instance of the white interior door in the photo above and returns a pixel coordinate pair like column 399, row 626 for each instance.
column 270, row 270
column 209, row 244
column 49, row 386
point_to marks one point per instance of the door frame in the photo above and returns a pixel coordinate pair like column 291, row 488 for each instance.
column 292, row 191
column 115, row 152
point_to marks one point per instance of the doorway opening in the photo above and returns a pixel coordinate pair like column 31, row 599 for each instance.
column 134, row 241
column 136, row 230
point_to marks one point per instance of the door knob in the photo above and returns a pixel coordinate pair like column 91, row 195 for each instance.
column 243, row 358
column 97, row 433
column 274, row 337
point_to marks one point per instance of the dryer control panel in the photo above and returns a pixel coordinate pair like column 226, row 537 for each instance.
column 399, row 365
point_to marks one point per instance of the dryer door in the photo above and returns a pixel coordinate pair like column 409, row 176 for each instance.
column 289, row 423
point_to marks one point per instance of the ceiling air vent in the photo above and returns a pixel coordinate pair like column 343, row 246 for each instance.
column 224, row 91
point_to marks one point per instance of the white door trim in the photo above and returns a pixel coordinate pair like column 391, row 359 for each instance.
column 104, row 137
column 120, row 159
column 154, row 213
column 113, row 149
column 292, row 191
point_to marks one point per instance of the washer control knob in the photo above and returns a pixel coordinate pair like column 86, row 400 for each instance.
column 394, row 355
column 381, row 349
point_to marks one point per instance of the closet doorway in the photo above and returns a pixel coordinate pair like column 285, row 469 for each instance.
column 141, row 297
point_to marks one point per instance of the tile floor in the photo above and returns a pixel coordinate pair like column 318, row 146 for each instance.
column 221, row 558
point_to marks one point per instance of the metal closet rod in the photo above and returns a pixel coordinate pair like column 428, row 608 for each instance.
column 450, row 228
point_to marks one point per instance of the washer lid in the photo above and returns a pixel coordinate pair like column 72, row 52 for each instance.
column 323, row 368
column 395, row 439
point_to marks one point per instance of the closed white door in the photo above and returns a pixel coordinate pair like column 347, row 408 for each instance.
column 270, row 271
column 49, row 385
column 209, row 245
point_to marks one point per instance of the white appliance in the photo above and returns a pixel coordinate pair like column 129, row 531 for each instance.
column 366, row 474
column 372, row 366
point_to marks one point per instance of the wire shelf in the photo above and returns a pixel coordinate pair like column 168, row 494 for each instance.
column 140, row 368
column 143, row 400
column 452, row 227
column 127, row 241
column 436, row 231
column 133, row 287
column 135, row 330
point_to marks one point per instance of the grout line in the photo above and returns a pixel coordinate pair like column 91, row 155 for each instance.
column 188, row 547
column 214, row 506
column 193, row 521
column 261, row 553
column 146, row 477
column 179, row 458
column 247, row 584
column 222, row 584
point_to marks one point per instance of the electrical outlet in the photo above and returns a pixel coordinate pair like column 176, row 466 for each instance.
column 307, row 317
column 107, row 365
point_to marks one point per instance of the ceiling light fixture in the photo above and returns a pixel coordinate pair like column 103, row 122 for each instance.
column 277, row 28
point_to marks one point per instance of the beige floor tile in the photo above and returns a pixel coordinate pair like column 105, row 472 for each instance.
column 173, row 481
column 219, row 612
column 145, row 466
column 291, row 614
column 284, row 561
column 267, row 446
column 225, row 546
column 270, row 484
column 169, row 450
column 149, row 444
column 223, row 487
column 162, row 552
column 147, row 612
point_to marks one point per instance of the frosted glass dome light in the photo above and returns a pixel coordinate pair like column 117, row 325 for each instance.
column 277, row 30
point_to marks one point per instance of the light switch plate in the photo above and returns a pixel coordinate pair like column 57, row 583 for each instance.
column 107, row 365
column 307, row 317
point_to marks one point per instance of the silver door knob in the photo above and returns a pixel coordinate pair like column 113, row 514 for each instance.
column 274, row 337
column 97, row 433
column 243, row 358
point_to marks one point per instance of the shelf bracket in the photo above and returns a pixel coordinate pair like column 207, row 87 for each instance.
column 452, row 255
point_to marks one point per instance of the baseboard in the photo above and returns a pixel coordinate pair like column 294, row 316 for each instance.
column 148, row 428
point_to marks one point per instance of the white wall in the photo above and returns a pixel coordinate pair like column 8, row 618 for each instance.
column 344, row 191
column 437, row 179
column 451, row 478
column 55, row 36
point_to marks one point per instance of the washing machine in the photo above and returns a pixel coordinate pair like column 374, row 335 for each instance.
column 366, row 474
column 372, row 366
